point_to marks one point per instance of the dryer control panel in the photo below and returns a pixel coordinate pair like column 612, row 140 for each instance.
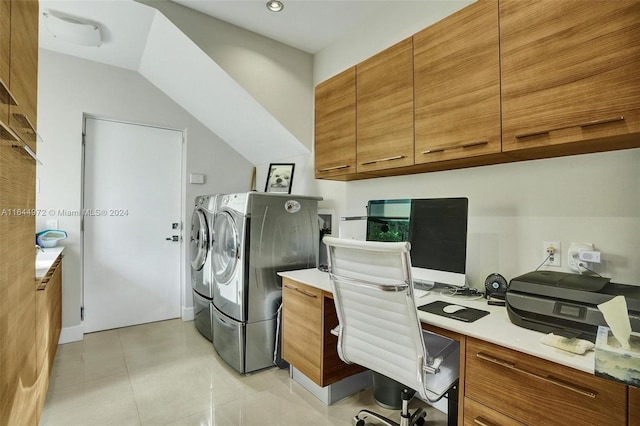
column 237, row 202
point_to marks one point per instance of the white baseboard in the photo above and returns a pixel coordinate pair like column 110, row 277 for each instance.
column 76, row 332
column 71, row 334
column 188, row 314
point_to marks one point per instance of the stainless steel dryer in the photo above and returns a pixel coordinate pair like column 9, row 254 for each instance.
column 255, row 236
column 199, row 250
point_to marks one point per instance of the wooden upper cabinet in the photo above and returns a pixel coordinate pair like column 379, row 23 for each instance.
column 23, row 79
column 457, row 85
column 5, row 49
column 384, row 93
column 335, row 126
column 570, row 75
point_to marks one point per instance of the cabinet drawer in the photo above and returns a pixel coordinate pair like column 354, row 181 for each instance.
column 539, row 392
column 302, row 328
column 476, row 414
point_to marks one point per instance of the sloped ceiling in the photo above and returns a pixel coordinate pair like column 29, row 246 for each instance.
column 140, row 38
column 308, row 25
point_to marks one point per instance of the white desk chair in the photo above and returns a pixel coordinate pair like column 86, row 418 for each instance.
column 379, row 326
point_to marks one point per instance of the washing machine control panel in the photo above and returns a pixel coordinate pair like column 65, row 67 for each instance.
column 236, row 202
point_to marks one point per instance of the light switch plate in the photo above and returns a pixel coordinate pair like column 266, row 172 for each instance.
column 196, row 178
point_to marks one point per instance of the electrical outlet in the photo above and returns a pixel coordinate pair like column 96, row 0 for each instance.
column 552, row 250
column 573, row 255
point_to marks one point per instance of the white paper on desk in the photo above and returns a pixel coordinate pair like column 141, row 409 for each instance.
column 617, row 317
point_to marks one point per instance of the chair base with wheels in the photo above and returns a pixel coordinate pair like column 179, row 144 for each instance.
column 419, row 415
column 406, row 418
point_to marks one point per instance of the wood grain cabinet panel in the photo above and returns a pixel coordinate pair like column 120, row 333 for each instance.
column 23, row 79
column 302, row 328
column 457, row 86
column 48, row 326
column 569, row 73
column 307, row 343
column 384, row 105
column 634, row 406
column 5, row 49
column 17, row 289
column 476, row 414
column 18, row 374
column 335, row 125
column 539, row 392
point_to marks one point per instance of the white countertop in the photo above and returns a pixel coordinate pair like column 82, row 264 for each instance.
column 494, row 328
column 45, row 258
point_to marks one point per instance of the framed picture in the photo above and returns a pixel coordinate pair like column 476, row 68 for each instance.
column 280, row 178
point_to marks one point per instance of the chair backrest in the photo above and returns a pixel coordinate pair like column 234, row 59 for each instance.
column 379, row 326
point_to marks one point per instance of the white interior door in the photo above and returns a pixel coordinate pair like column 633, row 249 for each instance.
column 132, row 195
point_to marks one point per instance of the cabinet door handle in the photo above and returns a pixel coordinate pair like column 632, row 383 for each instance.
column 300, row 291
column 329, row 169
column 549, row 379
column 23, row 121
column 382, row 160
column 483, row 422
column 464, row 145
column 587, row 124
column 6, row 97
column 50, row 273
column 6, row 134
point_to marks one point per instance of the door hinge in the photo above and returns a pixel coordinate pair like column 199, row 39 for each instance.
column 81, row 313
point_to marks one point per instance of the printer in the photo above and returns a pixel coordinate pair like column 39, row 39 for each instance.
column 566, row 304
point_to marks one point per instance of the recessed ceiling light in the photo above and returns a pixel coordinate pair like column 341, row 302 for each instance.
column 275, row 5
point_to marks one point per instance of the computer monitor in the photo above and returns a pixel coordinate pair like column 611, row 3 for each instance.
column 438, row 236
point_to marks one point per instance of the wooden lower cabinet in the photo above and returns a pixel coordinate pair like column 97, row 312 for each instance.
column 17, row 288
column 308, row 315
column 525, row 389
column 476, row 414
column 634, row 406
column 48, row 326
column 301, row 328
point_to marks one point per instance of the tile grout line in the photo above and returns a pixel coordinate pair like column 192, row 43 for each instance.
column 126, row 366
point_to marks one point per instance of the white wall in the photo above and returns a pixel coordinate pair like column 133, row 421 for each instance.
column 513, row 207
column 69, row 87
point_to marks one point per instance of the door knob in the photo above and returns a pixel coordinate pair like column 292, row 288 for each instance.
column 173, row 238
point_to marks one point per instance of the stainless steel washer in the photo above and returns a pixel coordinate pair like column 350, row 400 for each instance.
column 255, row 236
column 200, row 256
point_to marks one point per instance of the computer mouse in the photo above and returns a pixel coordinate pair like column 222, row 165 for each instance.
column 452, row 309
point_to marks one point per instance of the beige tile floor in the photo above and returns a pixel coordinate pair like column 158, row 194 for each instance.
column 166, row 373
